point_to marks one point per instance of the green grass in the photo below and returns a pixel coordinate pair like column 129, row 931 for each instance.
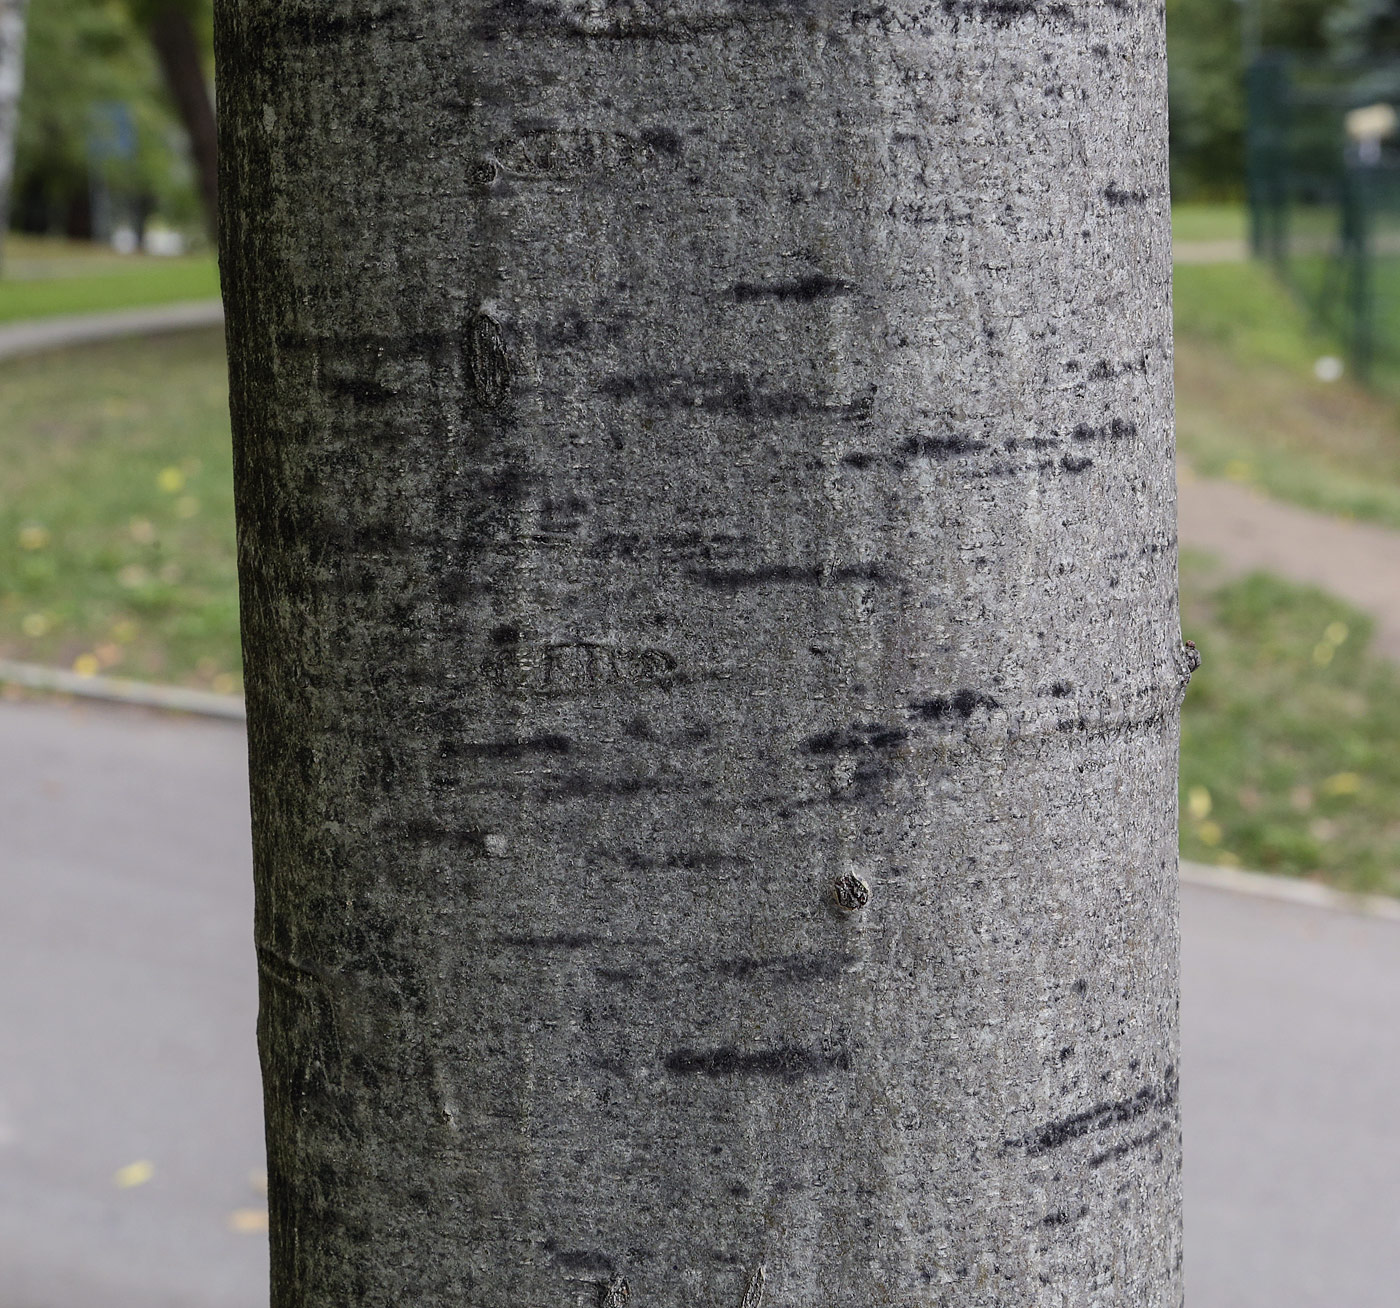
column 1288, row 747
column 1250, row 408
column 140, row 281
column 1209, row 222
column 116, row 526
column 1243, row 308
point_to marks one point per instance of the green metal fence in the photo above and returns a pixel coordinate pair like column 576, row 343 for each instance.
column 1324, row 195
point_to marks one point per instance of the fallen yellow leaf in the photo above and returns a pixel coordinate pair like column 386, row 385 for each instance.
column 1343, row 783
column 133, row 1174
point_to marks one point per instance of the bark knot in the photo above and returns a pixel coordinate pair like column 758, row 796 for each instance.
column 850, row 892
column 753, row 1291
column 1188, row 661
column 486, row 363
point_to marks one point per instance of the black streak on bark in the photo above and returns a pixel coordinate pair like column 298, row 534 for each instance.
column 1137, row 1142
column 815, row 286
column 1120, row 198
column 735, row 579
column 560, row 940
column 505, row 749
column 789, row 1062
column 1119, row 429
column 960, row 704
column 865, row 735
column 940, row 447
column 1053, row 1135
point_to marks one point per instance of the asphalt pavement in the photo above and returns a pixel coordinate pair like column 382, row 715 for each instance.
column 130, row 1139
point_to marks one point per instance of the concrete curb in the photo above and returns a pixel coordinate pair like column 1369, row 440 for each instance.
column 118, row 690
column 39, row 334
column 1290, row 890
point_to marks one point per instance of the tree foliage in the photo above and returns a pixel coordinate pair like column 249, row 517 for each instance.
column 1364, row 29
column 83, row 57
column 1206, row 60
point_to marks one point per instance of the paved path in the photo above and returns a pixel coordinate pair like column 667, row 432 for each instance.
column 1226, row 251
column 127, row 1007
column 127, row 1001
column 40, row 334
column 1356, row 561
column 1290, row 1063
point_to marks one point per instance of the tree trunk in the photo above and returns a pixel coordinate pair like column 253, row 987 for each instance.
column 11, row 81
column 182, row 62
column 708, row 560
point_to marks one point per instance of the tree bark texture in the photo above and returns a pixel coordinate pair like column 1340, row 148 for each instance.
column 11, row 82
column 182, row 62
column 708, row 562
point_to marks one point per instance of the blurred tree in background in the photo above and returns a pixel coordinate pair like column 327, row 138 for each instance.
column 1360, row 29
column 182, row 33
column 102, row 138
column 11, row 80
column 1209, row 43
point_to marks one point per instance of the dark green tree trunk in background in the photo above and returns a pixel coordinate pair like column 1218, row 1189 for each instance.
column 178, row 49
column 708, row 567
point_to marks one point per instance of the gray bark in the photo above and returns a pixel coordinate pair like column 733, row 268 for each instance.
column 11, row 82
column 708, row 564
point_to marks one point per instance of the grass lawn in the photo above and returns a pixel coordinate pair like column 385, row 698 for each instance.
column 42, row 277
column 1288, row 745
column 1250, row 408
column 116, row 526
column 1209, row 222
